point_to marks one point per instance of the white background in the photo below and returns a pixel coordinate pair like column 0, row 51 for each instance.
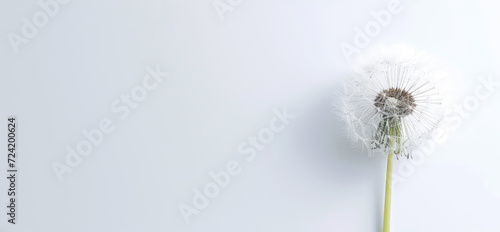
column 226, row 77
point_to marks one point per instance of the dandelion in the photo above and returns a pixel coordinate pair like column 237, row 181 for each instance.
column 392, row 105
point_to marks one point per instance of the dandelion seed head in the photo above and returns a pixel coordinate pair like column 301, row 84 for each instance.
column 391, row 101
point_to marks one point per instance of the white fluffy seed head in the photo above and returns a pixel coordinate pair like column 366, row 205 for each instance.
column 392, row 102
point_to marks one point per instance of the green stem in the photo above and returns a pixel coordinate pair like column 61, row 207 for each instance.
column 388, row 191
column 393, row 130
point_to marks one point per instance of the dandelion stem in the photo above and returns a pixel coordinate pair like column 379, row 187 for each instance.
column 388, row 184
column 388, row 191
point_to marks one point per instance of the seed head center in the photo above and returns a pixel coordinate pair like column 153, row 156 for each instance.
column 395, row 102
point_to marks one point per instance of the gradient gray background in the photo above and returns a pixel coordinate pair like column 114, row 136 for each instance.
column 226, row 76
